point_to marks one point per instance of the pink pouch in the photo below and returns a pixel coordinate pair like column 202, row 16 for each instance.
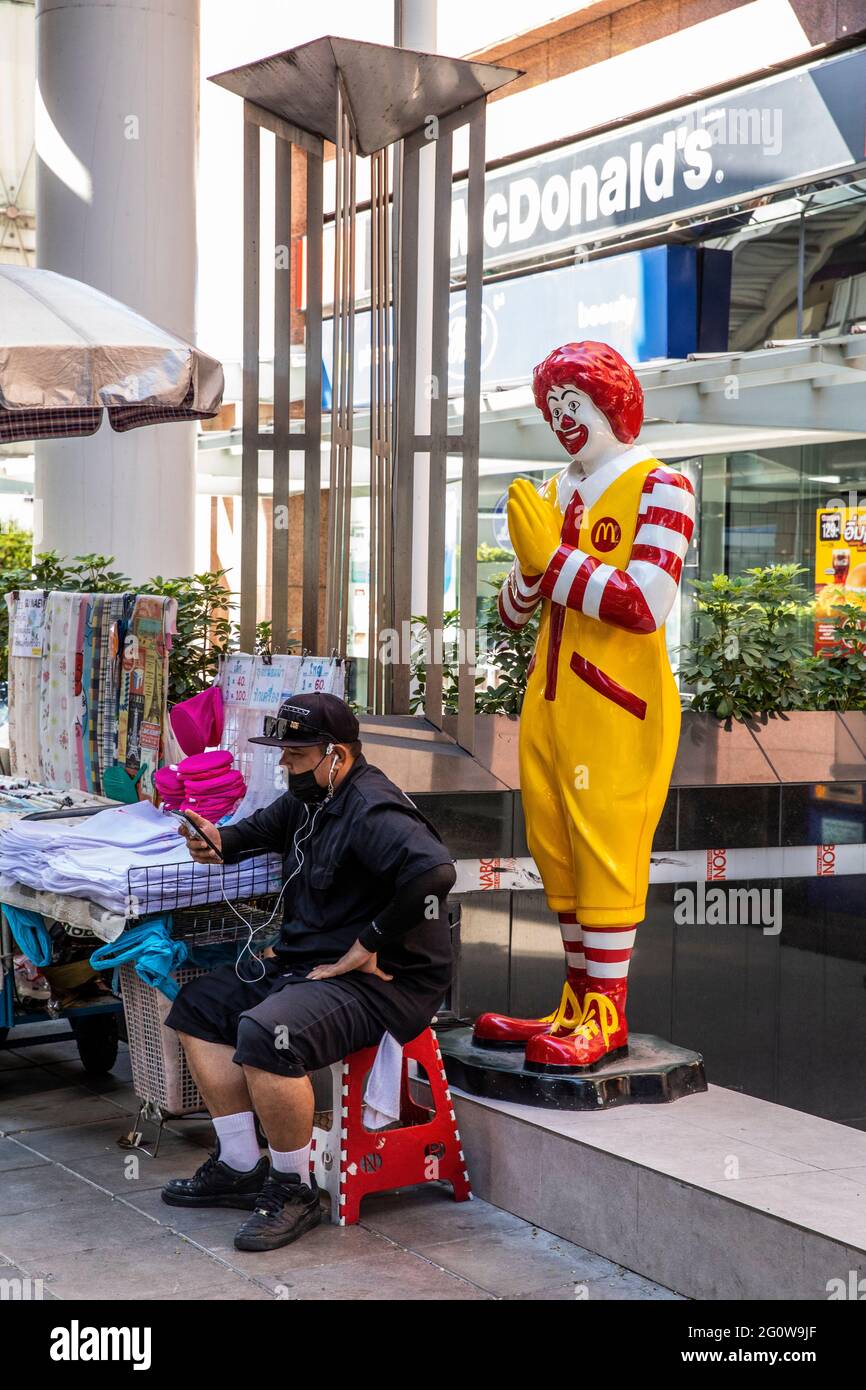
column 201, row 764
column 216, row 784
column 167, row 781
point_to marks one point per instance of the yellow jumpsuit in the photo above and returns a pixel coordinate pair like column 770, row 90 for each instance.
column 594, row 775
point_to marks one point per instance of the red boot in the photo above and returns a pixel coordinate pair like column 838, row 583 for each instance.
column 600, row 1035
column 499, row 1030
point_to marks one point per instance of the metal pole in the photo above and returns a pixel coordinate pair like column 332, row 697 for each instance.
column 313, row 404
column 406, row 386
column 250, row 420
column 433, row 693
column 351, row 165
column 471, row 429
column 282, row 394
column 801, row 268
column 334, row 509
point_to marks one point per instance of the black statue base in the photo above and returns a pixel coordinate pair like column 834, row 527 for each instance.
column 653, row 1072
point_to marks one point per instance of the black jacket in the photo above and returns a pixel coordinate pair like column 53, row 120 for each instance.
column 367, row 844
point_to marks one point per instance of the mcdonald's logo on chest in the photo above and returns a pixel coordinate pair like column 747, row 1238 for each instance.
column 606, row 534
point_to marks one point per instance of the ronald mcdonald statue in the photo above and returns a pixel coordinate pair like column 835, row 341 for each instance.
column 600, row 547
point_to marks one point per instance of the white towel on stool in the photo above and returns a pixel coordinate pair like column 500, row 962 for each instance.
column 382, row 1096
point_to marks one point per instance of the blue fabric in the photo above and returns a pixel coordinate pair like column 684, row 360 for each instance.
column 31, row 934
column 151, row 949
column 219, row 953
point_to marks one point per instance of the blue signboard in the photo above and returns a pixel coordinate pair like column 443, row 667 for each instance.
column 783, row 131
column 666, row 301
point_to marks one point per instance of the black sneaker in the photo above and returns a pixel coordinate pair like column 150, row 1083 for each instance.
column 215, row 1184
column 284, row 1209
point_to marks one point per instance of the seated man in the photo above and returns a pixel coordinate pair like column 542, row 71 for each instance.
column 364, row 949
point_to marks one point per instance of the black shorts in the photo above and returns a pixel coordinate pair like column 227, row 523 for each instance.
column 283, row 1023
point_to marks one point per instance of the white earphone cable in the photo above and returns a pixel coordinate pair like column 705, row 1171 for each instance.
column 300, row 859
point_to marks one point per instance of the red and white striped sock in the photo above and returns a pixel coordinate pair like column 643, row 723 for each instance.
column 572, row 940
column 608, row 952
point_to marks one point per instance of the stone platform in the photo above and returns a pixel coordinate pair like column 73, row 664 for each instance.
column 717, row 1196
column 654, row 1071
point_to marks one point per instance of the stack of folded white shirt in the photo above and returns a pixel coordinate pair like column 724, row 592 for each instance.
column 129, row 859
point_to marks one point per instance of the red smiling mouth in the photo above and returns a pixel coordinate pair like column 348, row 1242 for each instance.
column 573, row 440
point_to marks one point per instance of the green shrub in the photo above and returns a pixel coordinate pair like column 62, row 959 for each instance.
column 423, row 646
column 510, row 653
column 205, row 626
column 16, row 546
column 837, row 677
column 507, row 651
column 749, row 656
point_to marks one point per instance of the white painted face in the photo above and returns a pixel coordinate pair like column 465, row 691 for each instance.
column 580, row 426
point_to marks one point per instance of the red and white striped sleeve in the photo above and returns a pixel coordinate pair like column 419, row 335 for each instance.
column 640, row 597
column 519, row 597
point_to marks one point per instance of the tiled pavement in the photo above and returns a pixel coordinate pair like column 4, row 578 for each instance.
column 86, row 1218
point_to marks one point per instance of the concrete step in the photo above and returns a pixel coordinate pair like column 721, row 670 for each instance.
column 716, row 1195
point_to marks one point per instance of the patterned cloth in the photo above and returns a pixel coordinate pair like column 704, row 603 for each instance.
column 102, row 684
column 144, row 686
column 56, row 699
column 79, row 691
column 24, row 683
column 109, row 619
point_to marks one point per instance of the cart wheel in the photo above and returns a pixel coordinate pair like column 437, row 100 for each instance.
column 96, row 1037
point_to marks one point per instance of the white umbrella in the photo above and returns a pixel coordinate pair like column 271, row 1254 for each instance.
column 68, row 352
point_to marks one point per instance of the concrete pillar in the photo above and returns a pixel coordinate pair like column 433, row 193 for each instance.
column 116, row 136
column 417, row 28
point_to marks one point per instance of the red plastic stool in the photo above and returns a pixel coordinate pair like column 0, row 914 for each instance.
column 349, row 1161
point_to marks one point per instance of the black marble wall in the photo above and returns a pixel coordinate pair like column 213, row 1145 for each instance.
column 780, row 1015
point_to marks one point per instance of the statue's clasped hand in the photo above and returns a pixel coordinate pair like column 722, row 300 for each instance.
column 533, row 526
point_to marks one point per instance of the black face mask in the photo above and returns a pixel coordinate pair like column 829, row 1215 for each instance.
column 304, row 786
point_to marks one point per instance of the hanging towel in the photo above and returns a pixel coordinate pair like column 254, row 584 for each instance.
column 26, row 619
column 144, row 685
column 31, row 934
column 382, row 1096
column 80, row 693
column 114, row 618
column 151, row 949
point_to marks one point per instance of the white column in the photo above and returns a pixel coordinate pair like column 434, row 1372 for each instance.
column 419, row 31
column 116, row 136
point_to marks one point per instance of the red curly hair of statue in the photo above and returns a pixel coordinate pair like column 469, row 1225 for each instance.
column 598, row 370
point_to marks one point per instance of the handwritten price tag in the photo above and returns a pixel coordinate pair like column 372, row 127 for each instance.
column 238, row 680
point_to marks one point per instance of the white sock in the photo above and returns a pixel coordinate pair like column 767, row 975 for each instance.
column 293, row 1161
column 239, row 1147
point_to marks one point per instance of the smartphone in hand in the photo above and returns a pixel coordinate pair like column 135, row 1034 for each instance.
column 194, row 832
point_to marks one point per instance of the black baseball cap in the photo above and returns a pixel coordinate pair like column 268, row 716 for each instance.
column 304, row 720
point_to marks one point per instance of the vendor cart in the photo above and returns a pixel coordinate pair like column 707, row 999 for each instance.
column 95, row 1027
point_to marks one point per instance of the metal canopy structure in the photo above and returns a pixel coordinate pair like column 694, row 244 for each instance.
column 379, row 102
column 389, row 92
column 810, row 391
column 818, row 384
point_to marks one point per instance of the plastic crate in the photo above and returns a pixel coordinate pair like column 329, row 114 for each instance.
column 160, row 1074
